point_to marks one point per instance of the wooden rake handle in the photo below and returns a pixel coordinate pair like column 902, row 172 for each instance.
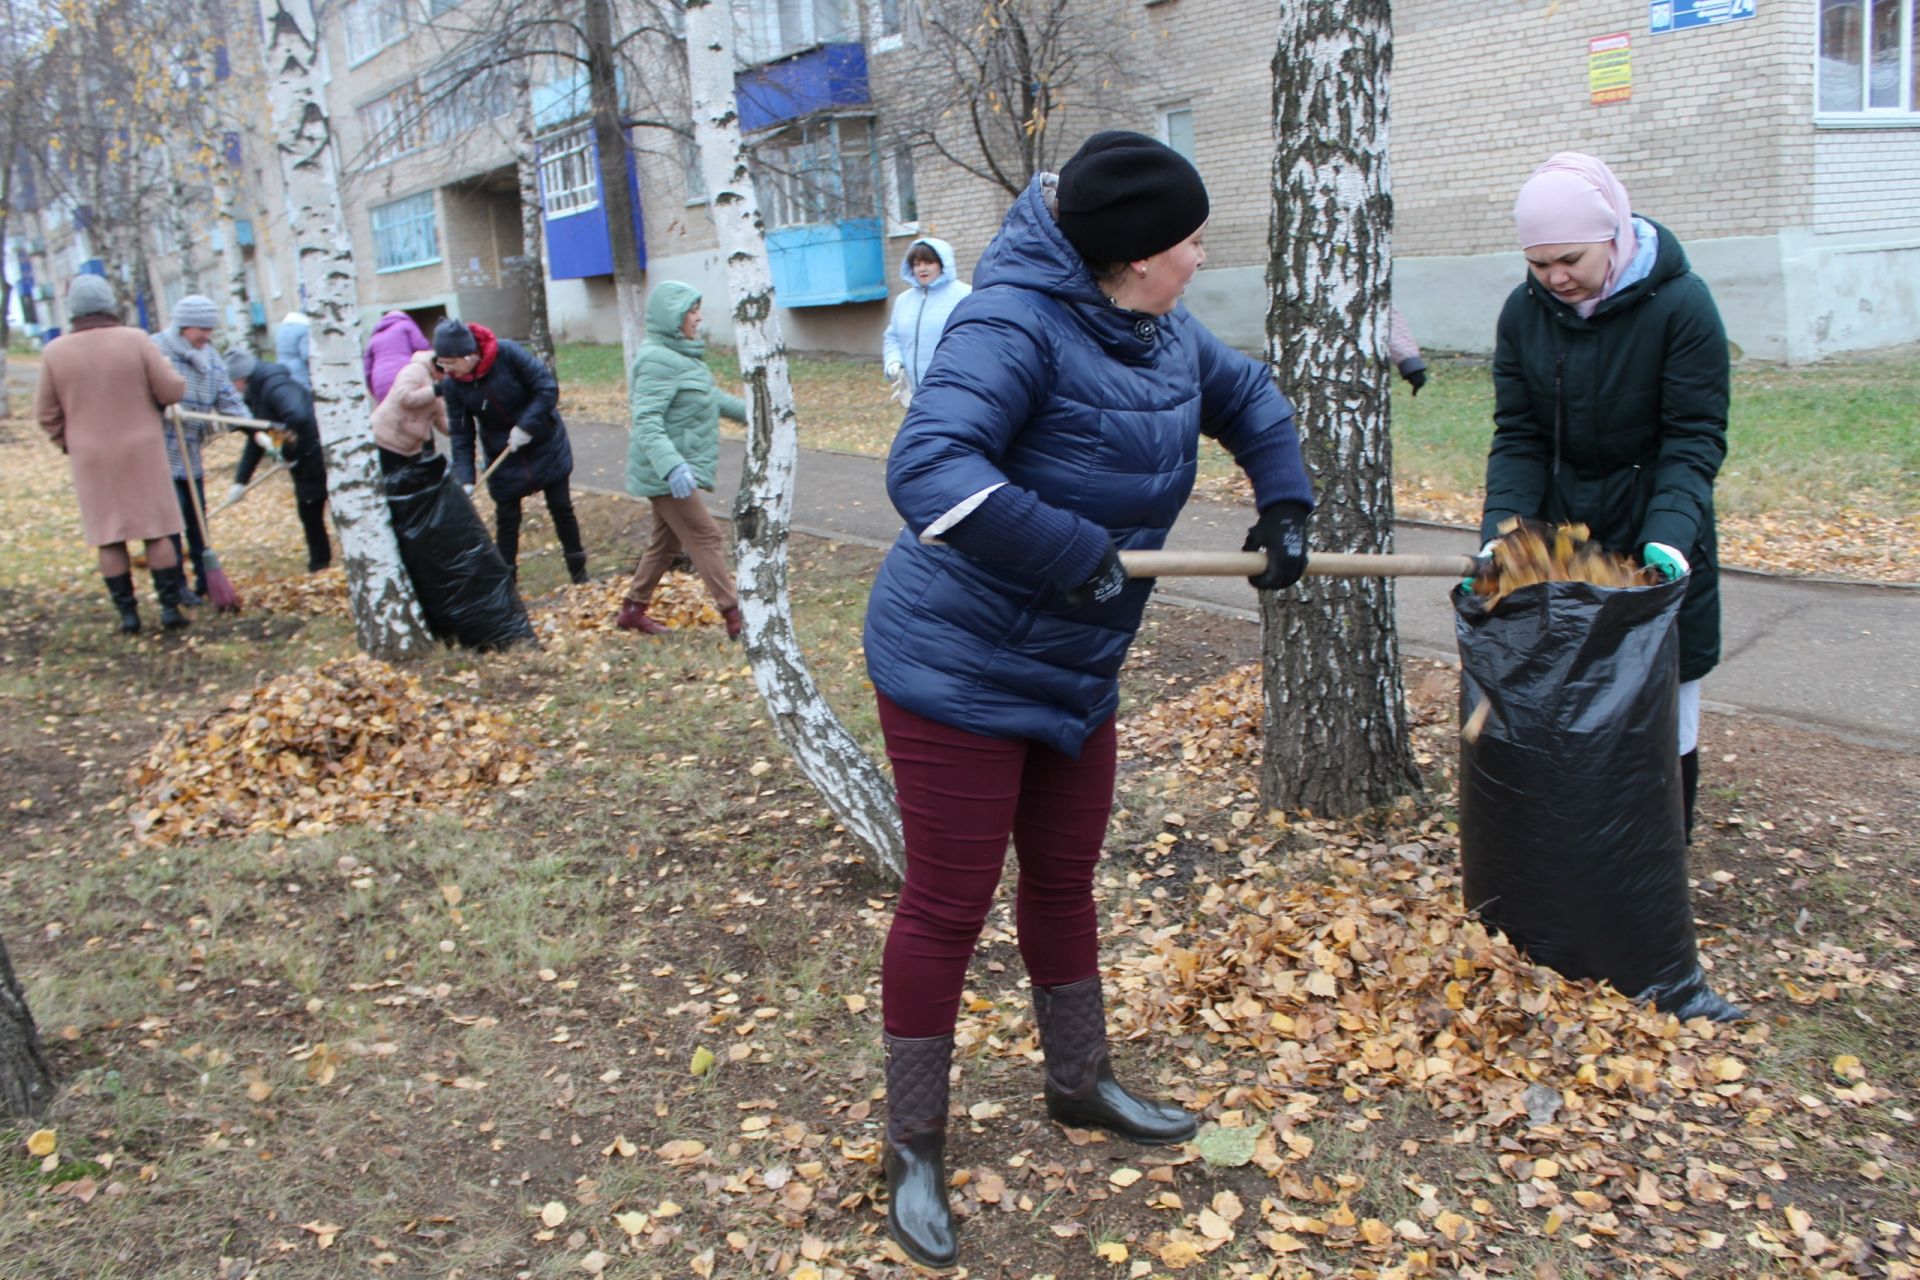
column 482, row 481
column 1321, row 564
column 226, row 419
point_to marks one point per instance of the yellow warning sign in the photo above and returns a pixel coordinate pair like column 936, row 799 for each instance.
column 1610, row 68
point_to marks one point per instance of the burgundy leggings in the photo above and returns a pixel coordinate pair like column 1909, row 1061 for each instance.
column 961, row 796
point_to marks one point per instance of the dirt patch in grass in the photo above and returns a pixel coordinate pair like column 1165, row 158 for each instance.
column 634, row 1011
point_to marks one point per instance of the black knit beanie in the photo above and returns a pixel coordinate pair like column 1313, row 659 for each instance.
column 451, row 340
column 1125, row 196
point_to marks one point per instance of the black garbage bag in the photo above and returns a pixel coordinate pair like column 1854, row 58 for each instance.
column 465, row 588
column 1572, row 832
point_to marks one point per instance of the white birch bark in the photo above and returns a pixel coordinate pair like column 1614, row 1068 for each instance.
column 846, row 777
column 233, row 262
column 386, row 614
column 531, row 269
column 1336, row 725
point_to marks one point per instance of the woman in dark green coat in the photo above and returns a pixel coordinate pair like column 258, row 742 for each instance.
column 1610, row 375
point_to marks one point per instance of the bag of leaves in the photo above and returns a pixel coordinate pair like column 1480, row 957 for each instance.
column 1572, row 836
column 465, row 588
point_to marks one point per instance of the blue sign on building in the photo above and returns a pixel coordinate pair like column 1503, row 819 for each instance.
column 1681, row 15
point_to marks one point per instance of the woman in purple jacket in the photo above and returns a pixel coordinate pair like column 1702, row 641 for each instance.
column 393, row 343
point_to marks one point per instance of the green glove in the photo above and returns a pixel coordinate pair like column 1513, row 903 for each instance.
column 1664, row 560
column 1482, row 565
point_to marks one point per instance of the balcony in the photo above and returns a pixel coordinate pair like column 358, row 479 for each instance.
column 828, row 77
column 827, row 263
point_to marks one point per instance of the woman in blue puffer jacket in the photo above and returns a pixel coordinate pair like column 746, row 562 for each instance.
column 920, row 314
column 1058, row 423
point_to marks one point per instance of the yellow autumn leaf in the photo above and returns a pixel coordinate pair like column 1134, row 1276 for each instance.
column 702, row 1061
column 1112, row 1251
column 1124, row 1178
column 553, row 1213
column 631, row 1222
column 41, row 1142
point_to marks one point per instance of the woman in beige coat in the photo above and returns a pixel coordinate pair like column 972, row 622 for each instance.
column 102, row 386
column 404, row 424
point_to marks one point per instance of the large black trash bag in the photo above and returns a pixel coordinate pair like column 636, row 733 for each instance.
column 465, row 588
column 1572, row 828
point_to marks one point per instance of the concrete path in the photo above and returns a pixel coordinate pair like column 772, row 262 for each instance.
column 1840, row 656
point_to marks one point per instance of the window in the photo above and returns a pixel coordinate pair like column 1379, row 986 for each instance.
column 462, row 98
column 372, row 25
column 405, row 234
column 1868, row 50
column 393, row 124
column 905, row 199
column 773, row 29
column 1176, row 128
column 690, row 166
column 821, row 171
column 568, row 183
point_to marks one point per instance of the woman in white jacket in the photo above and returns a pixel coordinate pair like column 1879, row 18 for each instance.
column 920, row 313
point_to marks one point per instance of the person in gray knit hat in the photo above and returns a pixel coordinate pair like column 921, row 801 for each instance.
column 188, row 343
column 100, row 388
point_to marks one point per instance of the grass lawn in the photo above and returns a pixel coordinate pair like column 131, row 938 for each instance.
column 1822, row 474
column 619, row 1016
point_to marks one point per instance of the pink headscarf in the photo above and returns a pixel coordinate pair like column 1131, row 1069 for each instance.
column 1575, row 199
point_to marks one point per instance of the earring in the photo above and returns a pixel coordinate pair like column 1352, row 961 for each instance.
column 1143, row 272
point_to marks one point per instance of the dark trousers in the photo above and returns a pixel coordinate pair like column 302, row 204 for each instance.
column 506, row 515
column 196, row 543
column 313, row 522
column 961, row 796
column 391, row 462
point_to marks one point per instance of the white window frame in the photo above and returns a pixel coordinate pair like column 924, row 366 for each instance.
column 1906, row 109
column 373, row 25
column 885, row 39
column 1163, row 126
column 393, row 123
column 898, row 224
column 771, row 30
column 406, row 216
column 815, row 168
column 569, row 178
column 690, row 171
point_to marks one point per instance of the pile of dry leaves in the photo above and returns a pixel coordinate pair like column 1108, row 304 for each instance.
column 352, row 742
column 681, row 602
column 322, row 594
column 1217, row 724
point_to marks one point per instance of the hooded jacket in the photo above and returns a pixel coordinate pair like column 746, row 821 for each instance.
column 509, row 388
column 1041, row 383
column 393, row 343
column 1619, row 421
column 276, row 396
column 921, row 313
column 676, row 403
column 293, row 346
column 406, row 420
column 209, row 390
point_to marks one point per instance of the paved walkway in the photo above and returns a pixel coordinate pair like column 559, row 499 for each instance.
column 1843, row 657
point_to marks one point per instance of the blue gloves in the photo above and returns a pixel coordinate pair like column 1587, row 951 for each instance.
column 680, row 481
column 1482, row 564
column 1664, row 560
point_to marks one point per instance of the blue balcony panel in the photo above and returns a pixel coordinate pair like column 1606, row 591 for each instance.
column 828, row 263
column 578, row 244
column 826, row 78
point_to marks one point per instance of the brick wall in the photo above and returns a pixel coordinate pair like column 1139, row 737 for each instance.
column 1865, row 180
column 1713, row 141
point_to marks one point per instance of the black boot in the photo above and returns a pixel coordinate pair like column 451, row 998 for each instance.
column 170, row 583
column 918, row 1216
column 313, row 523
column 1690, row 785
column 120, row 587
column 577, row 565
column 1081, row 1090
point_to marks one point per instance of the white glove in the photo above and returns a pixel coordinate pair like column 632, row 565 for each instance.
column 894, row 370
column 234, row 493
column 518, row 438
column 263, row 440
column 467, row 489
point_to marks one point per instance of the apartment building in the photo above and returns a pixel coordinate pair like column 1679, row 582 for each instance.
column 1780, row 139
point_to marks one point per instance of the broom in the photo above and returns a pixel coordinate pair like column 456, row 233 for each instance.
column 220, row 592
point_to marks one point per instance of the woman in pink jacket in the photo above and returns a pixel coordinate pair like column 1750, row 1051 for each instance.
column 412, row 411
column 394, row 341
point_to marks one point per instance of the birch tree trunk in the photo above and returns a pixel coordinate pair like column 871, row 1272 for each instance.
column 1336, row 723
column 531, row 267
column 386, row 614
column 181, row 226
column 233, row 261
column 26, row 1081
column 610, row 143
column 847, row 779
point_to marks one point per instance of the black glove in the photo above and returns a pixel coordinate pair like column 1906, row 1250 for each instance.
column 1107, row 582
column 1282, row 533
column 440, row 387
column 1416, row 378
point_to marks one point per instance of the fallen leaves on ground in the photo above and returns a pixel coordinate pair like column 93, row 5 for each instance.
column 312, row 595
column 354, row 741
column 589, row 608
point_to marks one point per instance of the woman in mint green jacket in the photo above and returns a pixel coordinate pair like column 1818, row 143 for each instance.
column 672, row 453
